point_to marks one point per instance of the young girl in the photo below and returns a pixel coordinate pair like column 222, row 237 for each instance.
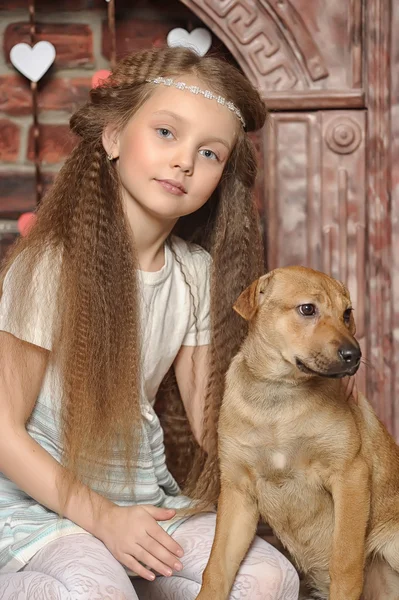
column 139, row 251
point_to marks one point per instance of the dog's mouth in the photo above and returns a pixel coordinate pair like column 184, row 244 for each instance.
column 333, row 374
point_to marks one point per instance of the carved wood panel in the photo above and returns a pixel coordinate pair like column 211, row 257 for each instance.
column 312, row 56
column 381, row 253
column 394, row 217
column 294, row 51
column 315, row 198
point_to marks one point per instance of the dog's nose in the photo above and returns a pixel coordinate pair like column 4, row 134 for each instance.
column 350, row 354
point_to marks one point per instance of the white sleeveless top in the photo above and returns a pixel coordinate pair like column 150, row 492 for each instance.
column 172, row 315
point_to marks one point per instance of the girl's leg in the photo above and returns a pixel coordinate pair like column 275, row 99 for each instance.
column 74, row 567
column 265, row 574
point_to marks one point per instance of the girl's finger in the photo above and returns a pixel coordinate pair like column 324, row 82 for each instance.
column 160, row 514
column 152, row 561
column 156, row 532
column 162, row 554
column 131, row 563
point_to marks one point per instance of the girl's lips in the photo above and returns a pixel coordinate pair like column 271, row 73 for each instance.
column 170, row 187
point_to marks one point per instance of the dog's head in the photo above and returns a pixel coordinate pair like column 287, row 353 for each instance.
column 305, row 318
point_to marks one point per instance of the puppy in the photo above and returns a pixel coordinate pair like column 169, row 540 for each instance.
column 322, row 471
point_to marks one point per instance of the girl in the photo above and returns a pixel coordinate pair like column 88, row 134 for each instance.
column 139, row 251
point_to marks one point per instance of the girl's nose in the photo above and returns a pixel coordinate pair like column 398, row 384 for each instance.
column 183, row 161
column 186, row 168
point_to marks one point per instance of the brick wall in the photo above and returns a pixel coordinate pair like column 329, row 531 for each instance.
column 79, row 31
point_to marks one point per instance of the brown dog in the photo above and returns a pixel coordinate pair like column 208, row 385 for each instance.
column 323, row 472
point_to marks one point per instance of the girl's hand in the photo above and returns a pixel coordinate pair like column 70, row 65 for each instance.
column 350, row 389
column 132, row 534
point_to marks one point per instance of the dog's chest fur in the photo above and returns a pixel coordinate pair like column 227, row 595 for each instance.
column 286, row 452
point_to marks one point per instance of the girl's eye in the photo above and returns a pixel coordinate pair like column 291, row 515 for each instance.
column 307, row 310
column 209, row 154
column 163, row 132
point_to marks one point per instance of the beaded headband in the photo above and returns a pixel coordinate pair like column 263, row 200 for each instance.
column 194, row 89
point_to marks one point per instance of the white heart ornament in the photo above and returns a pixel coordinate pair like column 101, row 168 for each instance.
column 199, row 40
column 33, row 62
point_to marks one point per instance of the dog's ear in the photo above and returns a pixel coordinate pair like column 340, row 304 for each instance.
column 251, row 298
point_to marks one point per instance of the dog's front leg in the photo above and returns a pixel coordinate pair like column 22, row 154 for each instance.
column 351, row 495
column 237, row 518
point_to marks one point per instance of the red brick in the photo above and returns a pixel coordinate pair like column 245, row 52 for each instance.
column 15, row 95
column 64, row 94
column 135, row 34
column 153, row 6
column 166, row 10
column 55, row 143
column 9, row 140
column 17, row 194
column 12, row 4
column 73, row 42
column 47, row 180
column 46, row 5
column 54, row 94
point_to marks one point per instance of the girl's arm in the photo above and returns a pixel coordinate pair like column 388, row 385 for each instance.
column 131, row 533
column 22, row 459
column 192, row 370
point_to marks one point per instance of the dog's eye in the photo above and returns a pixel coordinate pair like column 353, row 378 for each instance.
column 307, row 310
column 347, row 315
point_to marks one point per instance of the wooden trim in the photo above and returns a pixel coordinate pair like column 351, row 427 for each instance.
column 315, row 99
column 379, row 242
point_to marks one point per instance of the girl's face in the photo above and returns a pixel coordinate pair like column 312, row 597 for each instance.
column 173, row 151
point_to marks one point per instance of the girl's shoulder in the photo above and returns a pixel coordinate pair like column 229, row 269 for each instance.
column 191, row 255
column 46, row 265
column 28, row 297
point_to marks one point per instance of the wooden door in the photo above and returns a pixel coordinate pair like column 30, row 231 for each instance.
column 324, row 70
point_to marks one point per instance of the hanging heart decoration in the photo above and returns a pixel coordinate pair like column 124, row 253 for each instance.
column 199, row 40
column 33, row 62
column 99, row 77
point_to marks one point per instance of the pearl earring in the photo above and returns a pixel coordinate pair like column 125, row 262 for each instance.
column 110, row 157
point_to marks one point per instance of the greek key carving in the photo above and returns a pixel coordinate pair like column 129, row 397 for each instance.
column 260, row 26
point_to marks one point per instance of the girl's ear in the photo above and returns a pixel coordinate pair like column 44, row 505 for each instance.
column 110, row 139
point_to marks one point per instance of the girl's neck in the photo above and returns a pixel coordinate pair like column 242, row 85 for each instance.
column 149, row 233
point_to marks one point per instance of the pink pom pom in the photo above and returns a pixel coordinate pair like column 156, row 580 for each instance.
column 26, row 222
column 99, row 77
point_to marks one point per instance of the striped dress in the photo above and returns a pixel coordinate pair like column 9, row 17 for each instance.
column 172, row 315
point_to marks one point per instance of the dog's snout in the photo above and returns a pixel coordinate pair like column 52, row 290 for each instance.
column 350, row 354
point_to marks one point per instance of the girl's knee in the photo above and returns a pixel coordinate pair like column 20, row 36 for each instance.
column 291, row 582
column 111, row 592
column 265, row 573
column 83, row 568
